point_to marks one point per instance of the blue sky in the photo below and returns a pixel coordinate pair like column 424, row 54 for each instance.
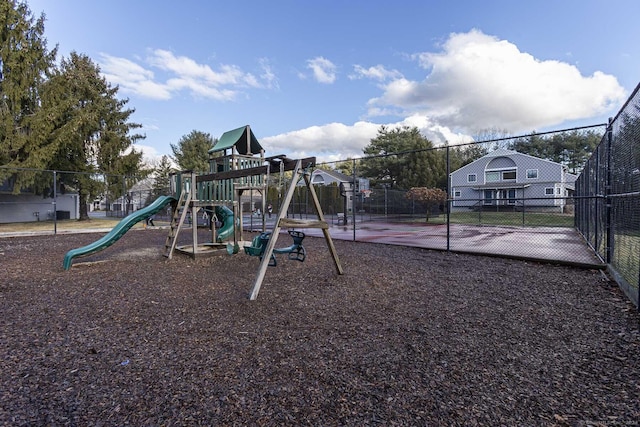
column 318, row 78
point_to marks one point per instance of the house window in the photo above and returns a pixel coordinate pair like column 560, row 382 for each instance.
column 558, row 191
column 549, row 191
column 492, row 176
column 509, row 175
column 456, row 193
column 532, row 173
column 472, row 177
column 503, row 175
column 511, row 194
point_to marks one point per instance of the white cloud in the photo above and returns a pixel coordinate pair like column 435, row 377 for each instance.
column 333, row 141
column 188, row 69
column 183, row 74
column 337, row 141
column 433, row 131
column 268, row 76
column 475, row 82
column 378, row 72
column 478, row 81
column 150, row 155
column 132, row 78
column 324, row 71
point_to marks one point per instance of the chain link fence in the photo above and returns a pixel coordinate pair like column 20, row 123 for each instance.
column 51, row 201
column 608, row 198
column 496, row 201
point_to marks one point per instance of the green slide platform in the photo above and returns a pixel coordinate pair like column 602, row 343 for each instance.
column 117, row 231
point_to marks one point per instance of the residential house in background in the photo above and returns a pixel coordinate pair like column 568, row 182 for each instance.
column 343, row 181
column 508, row 179
column 326, row 177
column 29, row 207
column 137, row 197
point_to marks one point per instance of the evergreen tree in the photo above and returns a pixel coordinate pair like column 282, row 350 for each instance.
column 572, row 148
column 346, row 166
column 91, row 131
column 25, row 64
column 192, row 151
column 161, row 178
column 403, row 158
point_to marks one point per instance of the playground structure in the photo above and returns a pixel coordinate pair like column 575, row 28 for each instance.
column 236, row 165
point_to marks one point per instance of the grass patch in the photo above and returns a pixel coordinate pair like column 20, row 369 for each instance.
column 62, row 225
column 533, row 219
column 625, row 257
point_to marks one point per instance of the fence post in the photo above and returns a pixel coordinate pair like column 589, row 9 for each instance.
column 592, row 222
column 524, row 201
column 448, row 199
column 55, row 205
column 353, row 201
column 607, row 195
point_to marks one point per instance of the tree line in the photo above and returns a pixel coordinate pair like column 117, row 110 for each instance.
column 402, row 158
column 62, row 116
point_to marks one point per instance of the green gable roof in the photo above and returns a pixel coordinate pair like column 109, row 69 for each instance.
column 242, row 139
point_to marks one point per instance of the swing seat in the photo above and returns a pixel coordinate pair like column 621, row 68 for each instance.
column 258, row 246
column 296, row 251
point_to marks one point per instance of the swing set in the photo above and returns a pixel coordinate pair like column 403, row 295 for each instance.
column 264, row 245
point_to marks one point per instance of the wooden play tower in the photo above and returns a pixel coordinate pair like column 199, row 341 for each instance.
column 232, row 163
column 237, row 164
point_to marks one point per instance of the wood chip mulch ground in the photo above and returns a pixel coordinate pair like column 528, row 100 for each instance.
column 406, row 336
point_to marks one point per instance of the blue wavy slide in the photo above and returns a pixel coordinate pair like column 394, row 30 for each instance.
column 117, row 231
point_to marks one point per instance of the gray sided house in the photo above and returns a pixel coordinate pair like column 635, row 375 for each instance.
column 137, row 197
column 328, row 177
column 28, row 207
column 511, row 180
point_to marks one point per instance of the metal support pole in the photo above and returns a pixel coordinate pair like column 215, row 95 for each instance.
column 596, row 202
column 55, row 205
column 448, row 200
column 353, row 201
column 385, row 201
column 125, row 206
column 607, row 194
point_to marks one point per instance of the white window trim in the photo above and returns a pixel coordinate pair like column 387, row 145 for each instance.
column 501, row 172
column 456, row 195
column 549, row 191
column 474, row 175
column 492, row 171
column 532, row 170
column 508, row 170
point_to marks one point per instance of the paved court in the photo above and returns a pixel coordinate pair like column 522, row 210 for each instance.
column 555, row 244
column 563, row 245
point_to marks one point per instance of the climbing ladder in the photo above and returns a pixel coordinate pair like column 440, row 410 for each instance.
column 177, row 220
